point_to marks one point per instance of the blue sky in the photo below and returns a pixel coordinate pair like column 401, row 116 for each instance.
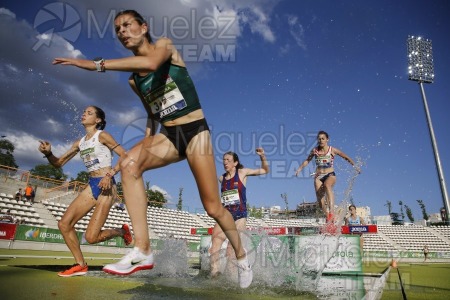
column 269, row 73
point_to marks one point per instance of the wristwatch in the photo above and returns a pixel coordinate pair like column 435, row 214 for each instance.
column 99, row 64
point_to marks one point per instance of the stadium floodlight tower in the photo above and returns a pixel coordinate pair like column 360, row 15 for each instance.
column 421, row 69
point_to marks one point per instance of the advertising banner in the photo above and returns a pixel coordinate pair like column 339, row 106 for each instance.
column 38, row 234
column 347, row 257
column 7, row 231
column 355, row 229
column 201, row 230
column 114, row 242
column 336, row 259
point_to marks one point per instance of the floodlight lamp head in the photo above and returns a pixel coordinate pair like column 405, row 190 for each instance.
column 420, row 60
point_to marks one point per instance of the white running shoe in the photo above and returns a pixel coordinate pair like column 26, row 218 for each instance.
column 245, row 272
column 134, row 261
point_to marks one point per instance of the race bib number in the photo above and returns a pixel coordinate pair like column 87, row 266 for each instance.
column 89, row 158
column 230, row 197
column 166, row 99
column 91, row 163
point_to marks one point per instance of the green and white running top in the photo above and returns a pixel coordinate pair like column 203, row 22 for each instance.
column 169, row 92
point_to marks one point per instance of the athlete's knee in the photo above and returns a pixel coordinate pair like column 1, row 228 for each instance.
column 328, row 187
column 129, row 168
column 92, row 238
column 215, row 211
column 63, row 225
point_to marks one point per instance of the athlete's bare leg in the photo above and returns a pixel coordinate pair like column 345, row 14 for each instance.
column 201, row 161
column 153, row 152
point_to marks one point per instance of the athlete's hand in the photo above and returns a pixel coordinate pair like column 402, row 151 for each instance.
column 105, row 183
column 260, row 151
column 77, row 62
column 45, row 147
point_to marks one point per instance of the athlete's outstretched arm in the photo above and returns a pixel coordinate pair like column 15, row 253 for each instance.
column 164, row 49
column 46, row 148
column 347, row 158
column 305, row 163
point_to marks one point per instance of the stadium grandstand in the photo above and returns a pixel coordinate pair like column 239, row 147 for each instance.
column 53, row 198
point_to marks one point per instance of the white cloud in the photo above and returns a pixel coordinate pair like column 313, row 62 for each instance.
column 255, row 15
column 5, row 11
column 259, row 23
column 227, row 21
column 129, row 116
column 12, row 68
column 41, row 100
column 285, row 49
column 292, row 20
column 297, row 31
column 26, row 149
column 162, row 191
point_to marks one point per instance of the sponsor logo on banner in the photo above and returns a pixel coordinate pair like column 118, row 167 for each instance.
column 201, row 230
column 33, row 233
column 359, row 229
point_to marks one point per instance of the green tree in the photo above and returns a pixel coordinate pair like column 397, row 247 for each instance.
column 409, row 213
column 154, row 198
column 351, row 200
column 6, row 154
column 255, row 212
column 119, row 189
column 395, row 217
column 424, row 210
column 48, row 171
column 180, row 199
column 284, row 196
column 82, row 176
column 401, row 209
column 250, row 210
column 389, row 206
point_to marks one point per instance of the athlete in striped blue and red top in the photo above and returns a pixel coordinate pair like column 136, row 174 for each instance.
column 234, row 199
column 234, row 196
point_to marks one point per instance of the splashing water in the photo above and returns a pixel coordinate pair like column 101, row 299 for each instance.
column 292, row 263
column 282, row 265
column 72, row 117
column 172, row 261
column 321, row 248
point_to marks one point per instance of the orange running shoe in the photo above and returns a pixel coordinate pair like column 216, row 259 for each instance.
column 127, row 237
column 332, row 229
column 75, row 270
column 330, row 217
